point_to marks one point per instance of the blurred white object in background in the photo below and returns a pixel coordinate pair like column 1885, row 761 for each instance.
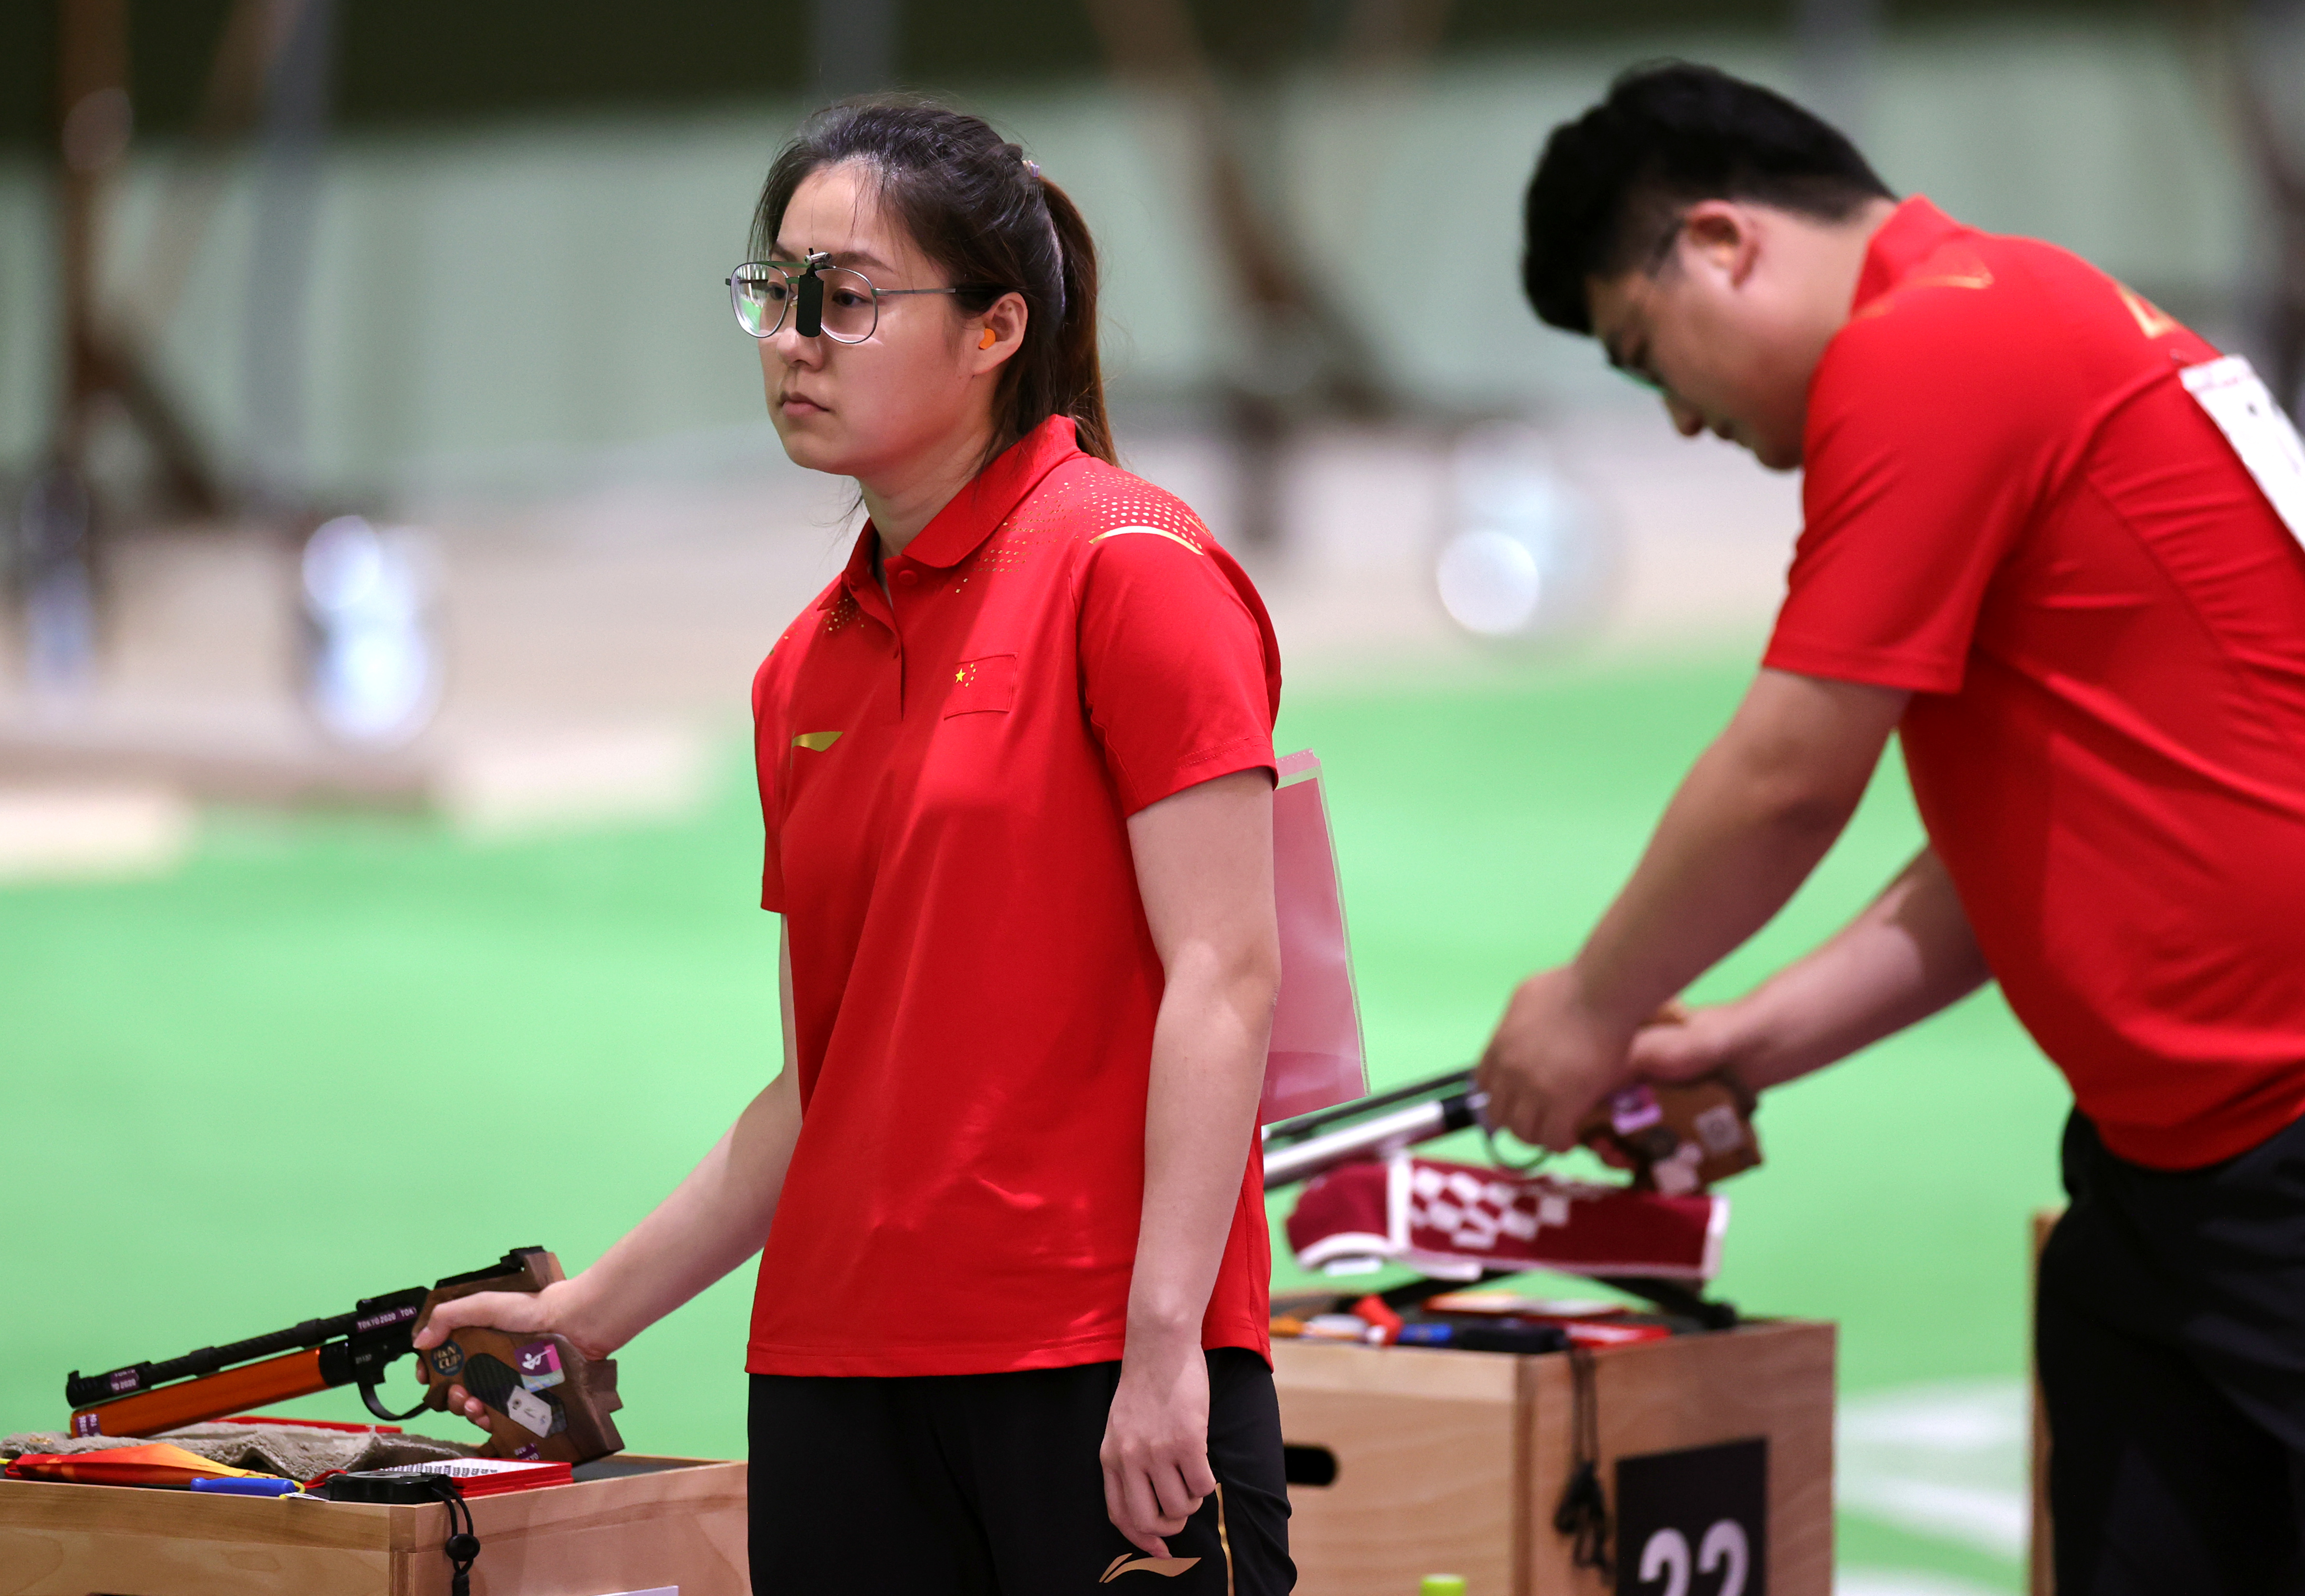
column 59, row 595
column 373, row 670
column 1530, row 555
column 1490, row 582
column 513, row 784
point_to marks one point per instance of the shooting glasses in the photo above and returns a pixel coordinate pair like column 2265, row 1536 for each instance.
column 835, row 301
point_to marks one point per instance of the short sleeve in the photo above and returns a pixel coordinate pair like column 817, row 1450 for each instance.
column 1179, row 670
column 1925, row 455
column 768, row 753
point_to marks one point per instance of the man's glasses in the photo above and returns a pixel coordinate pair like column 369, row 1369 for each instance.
column 1635, row 364
column 838, row 302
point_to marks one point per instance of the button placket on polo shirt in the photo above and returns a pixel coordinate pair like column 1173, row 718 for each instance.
column 909, row 585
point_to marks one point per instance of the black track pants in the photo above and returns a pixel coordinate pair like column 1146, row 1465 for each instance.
column 968, row 1485
column 2171, row 1341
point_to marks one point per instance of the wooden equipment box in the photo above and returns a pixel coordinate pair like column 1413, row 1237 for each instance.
column 649, row 1523
column 1453, row 1462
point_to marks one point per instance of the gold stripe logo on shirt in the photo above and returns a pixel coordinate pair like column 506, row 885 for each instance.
column 1155, row 532
column 2151, row 319
column 816, row 742
column 1980, row 278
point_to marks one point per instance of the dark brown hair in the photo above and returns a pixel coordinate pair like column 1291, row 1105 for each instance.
column 980, row 210
column 1612, row 185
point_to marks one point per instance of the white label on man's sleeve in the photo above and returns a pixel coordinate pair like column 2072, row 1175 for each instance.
column 2260, row 434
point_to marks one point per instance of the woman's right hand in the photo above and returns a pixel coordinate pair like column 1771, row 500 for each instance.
column 552, row 1310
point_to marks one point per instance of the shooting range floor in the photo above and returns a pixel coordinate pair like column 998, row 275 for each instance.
column 333, row 1056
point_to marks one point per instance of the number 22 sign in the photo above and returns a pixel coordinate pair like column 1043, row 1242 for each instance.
column 1694, row 1522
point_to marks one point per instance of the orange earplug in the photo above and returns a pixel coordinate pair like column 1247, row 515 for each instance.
column 989, row 340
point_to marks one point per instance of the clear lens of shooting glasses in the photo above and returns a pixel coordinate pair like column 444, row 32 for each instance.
column 851, row 309
column 764, row 296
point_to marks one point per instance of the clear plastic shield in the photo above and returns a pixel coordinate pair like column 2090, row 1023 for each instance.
column 1316, row 1059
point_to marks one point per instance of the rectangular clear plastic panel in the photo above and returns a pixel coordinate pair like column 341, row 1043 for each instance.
column 1316, row 1059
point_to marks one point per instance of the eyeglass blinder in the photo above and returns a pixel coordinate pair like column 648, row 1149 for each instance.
column 811, row 308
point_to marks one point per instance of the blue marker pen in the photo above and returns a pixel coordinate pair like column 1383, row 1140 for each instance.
column 234, row 1485
column 1509, row 1336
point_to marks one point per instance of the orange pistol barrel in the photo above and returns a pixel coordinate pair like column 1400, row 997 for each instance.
column 211, row 1397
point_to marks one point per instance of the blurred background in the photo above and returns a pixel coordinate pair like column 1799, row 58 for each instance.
column 391, row 525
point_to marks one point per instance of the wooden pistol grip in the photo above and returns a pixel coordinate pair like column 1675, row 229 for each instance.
column 1705, row 1123
column 544, row 1399
column 210, row 1397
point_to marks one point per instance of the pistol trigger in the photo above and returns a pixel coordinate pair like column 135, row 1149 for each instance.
column 367, row 1395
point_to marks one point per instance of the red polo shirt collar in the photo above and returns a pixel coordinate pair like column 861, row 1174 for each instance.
column 973, row 515
column 1914, row 231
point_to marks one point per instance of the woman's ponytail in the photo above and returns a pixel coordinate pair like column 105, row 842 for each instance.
column 1077, row 373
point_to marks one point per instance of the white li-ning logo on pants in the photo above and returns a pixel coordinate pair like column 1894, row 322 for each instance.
column 2260, row 434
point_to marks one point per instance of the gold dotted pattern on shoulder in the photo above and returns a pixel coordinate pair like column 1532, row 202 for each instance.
column 843, row 612
column 1125, row 502
column 1085, row 508
column 1011, row 546
column 1015, row 544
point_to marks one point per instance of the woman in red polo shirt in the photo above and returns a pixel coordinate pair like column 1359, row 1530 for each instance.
column 1015, row 768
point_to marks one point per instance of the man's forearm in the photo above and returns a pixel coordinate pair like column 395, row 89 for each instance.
column 1909, row 953
column 1755, row 814
column 1208, row 1070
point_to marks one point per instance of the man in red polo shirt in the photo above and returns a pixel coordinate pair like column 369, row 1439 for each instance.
column 2042, row 547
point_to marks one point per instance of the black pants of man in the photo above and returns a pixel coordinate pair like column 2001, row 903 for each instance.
column 978, row 1484
column 2171, row 1341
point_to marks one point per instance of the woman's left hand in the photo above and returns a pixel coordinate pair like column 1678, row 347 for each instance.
column 1156, row 1441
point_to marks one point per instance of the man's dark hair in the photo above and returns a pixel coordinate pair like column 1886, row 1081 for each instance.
column 1612, row 185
